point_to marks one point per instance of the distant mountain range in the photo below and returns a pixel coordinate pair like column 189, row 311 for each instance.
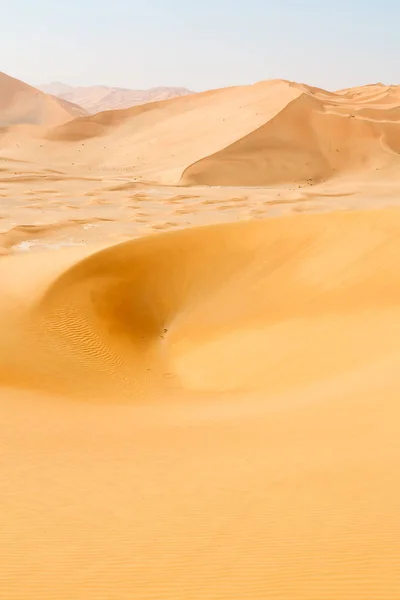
column 98, row 98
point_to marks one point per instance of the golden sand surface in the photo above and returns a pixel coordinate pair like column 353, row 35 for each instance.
column 200, row 349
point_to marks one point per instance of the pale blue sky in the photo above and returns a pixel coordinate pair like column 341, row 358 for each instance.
column 201, row 45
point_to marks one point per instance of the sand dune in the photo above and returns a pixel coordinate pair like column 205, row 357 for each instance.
column 155, row 141
column 374, row 93
column 274, row 132
column 206, row 413
column 309, row 140
column 210, row 412
column 22, row 104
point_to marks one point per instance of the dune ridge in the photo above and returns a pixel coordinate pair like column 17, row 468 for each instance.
column 269, row 133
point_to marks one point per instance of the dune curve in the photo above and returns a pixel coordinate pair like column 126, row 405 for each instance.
column 173, row 304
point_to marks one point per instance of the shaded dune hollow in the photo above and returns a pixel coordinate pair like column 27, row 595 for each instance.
column 265, row 305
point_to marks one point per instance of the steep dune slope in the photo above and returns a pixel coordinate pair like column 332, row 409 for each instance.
column 22, row 104
column 309, row 140
column 206, row 414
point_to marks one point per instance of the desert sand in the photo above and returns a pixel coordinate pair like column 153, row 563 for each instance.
column 200, row 349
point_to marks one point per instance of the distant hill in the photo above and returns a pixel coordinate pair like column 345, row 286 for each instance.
column 99, row 98
column 21, row 103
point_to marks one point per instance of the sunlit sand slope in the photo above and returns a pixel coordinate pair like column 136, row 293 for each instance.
column 273, row 132
column 210, row 413
column 310, row 140
column 261, row 295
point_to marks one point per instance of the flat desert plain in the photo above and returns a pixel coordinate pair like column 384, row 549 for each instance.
column 200, row 346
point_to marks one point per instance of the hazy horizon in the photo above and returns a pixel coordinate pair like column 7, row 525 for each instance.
column 215, row 44
column 67, row 84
